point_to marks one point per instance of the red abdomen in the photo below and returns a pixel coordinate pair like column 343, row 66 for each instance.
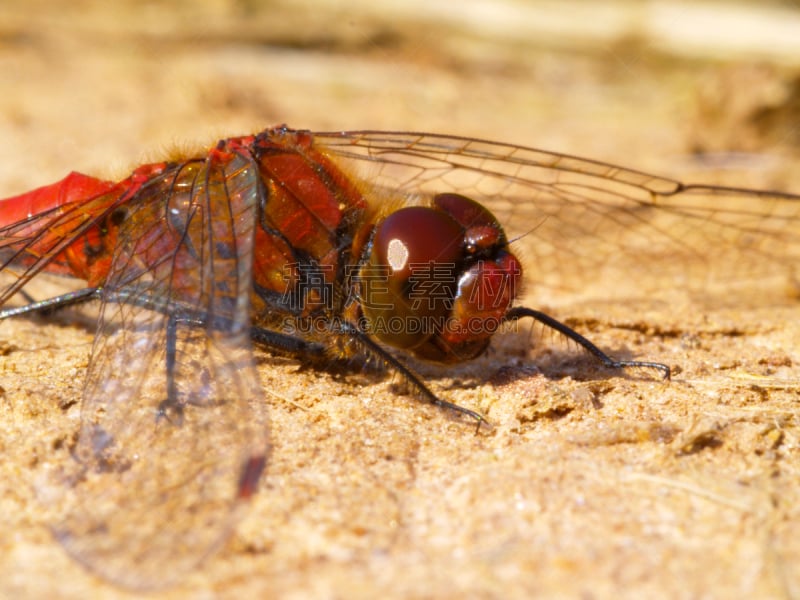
column 67, row 227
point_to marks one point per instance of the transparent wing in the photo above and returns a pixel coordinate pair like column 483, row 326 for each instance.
column 577, row 223
column 172, row 436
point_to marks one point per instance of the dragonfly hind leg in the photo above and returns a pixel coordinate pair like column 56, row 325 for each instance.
column 50, row 305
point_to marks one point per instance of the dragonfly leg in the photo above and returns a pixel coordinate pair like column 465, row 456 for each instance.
column 520, row 312
column 171, row 408
column 287, row 345
column 372, row 347
column 52, row 304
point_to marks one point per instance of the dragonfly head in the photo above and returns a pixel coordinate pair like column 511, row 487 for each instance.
column 439, row 279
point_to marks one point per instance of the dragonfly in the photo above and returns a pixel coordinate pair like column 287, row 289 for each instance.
column 395, row 247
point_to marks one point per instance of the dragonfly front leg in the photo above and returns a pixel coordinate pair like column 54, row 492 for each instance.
column 612, row 363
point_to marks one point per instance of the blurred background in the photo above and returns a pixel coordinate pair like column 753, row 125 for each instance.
column 700, row 90
column 680, row 86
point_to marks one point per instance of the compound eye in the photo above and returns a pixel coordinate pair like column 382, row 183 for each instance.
column 411, row 276
column 465, row 211
column 414, row 236
column 482, row 232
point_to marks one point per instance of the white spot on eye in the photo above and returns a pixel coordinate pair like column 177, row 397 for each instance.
column 174, row 211
column 397, row 254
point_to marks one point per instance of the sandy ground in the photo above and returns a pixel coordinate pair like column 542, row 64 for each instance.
column 590, row 484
